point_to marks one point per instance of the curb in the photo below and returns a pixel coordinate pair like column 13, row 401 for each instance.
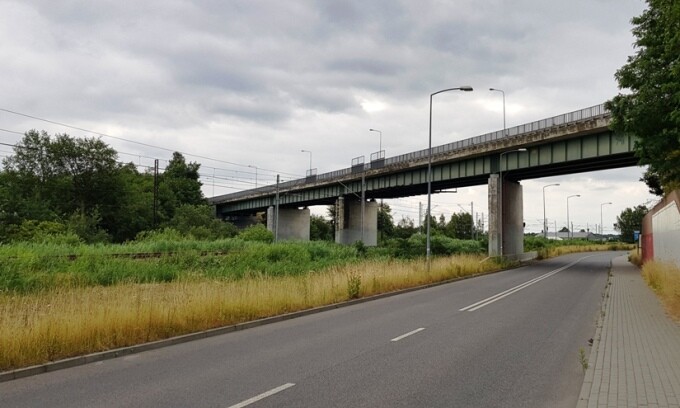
column 185, row 338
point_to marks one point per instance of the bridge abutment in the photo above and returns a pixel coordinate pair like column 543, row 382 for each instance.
column 348, row 222
column 293, row 223
column 512, row 217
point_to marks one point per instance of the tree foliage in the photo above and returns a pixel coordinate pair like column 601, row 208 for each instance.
column 385, row 221
column 651, row 111
column 79, row 184
column 630, row 220
column 320, row 229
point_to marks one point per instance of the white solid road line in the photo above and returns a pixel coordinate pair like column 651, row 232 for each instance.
column 408, row 334
column 501, row 295
column 262, row 396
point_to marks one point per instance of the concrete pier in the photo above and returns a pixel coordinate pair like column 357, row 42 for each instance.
column 348, row 227
column 512, row 217
column 293, row 223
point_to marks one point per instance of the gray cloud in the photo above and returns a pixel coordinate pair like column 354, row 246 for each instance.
column 253, row 82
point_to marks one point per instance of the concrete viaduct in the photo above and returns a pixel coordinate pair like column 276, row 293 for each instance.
column 574, row 142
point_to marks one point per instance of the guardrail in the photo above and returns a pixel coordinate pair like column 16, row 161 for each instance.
column 560, row 120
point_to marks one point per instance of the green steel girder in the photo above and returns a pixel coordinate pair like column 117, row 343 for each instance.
column 597, row 151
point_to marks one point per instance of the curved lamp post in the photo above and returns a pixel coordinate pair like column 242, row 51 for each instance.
column 310, row 159
column 429, row 170
column 380, row 145
column 503, row 92
column 545, row 220
column 570, row 233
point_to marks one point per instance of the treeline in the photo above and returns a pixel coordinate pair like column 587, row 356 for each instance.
column 458, row 226
column 76, row 189
column 63, row 185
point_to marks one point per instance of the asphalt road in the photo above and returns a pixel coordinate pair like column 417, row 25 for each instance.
column 419, row 349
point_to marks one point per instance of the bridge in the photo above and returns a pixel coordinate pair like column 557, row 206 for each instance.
column 573, row 142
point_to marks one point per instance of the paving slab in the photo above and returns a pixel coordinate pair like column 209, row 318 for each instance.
column 635, row 357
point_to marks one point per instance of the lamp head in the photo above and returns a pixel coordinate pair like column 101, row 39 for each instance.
column 466, row 88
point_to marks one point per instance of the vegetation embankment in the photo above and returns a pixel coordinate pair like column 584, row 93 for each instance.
column 61, row 298
column 72, row 314
column 547, row 248
column 664, row 279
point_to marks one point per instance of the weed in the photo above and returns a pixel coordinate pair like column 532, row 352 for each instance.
column 583, row 359
column 353, row 285
column 664, row 279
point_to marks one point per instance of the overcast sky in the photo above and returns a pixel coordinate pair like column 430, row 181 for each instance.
column 254, row 82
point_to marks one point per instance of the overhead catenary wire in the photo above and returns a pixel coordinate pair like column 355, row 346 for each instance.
column 139, row 164
column 136, row 142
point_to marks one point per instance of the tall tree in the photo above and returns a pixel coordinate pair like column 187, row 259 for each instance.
column 180, row 185
column 651, row 110
column 65, row 175
column 385, row 221
column 630, row 220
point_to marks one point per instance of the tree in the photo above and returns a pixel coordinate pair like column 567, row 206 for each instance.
column 179, row 185
column 385, row 221
column 651, row 111
column 320, row 229
column 405, row 228
column 630, row 220
column 200, row 222
column 459, row 226
column 51, row 179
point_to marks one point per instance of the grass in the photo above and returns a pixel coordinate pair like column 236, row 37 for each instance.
column 32, row 268
column 664, row 279
column 553, row 251
column 66, row 321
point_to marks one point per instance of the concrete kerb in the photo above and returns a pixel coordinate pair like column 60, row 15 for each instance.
column 124, row 351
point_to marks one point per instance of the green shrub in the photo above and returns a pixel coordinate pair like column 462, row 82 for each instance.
column 257, row 232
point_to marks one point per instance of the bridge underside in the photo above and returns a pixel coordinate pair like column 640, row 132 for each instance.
column 583, row 154
column 544, row 154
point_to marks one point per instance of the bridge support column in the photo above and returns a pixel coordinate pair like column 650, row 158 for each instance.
column 348, row 228
column 293, row 223
column 513, row 218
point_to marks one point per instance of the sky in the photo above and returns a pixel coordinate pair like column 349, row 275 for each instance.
column 242, row 87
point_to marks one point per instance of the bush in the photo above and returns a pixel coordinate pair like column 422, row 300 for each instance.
column 257, row 232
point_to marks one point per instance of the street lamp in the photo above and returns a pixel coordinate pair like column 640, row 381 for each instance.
column 310, row 160
column 601, row 224
column 545, row 220
column 503, row 92
column 570, row 233
column 380, row 145
column 429, row 169
column 254, row 167
column 500, row 210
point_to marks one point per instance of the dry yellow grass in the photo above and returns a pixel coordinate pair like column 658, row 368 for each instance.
column 552, row 252
column 664, row 278
column 37, row 328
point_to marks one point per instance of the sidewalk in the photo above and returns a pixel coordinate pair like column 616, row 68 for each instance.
column 635, row 358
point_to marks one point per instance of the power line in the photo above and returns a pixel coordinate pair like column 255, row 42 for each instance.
column 136, row 142
column 250, row 173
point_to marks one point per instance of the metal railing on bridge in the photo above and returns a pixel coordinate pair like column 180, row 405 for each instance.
column 560, row 120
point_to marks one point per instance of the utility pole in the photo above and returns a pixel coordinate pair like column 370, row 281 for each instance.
column 276, row 211
column 155, row 192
